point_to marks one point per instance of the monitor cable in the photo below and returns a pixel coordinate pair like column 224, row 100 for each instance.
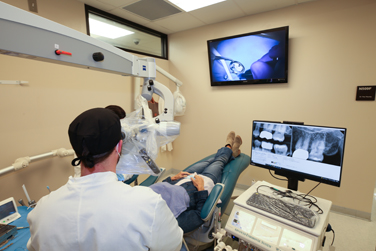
column 328, row 229
column 276, row 177
column 312, row 189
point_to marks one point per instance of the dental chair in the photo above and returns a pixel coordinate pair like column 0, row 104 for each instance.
column 210, row 214
column 151, row 179
column 133, row 178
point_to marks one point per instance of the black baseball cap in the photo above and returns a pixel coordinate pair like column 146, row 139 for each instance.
column 98, row 128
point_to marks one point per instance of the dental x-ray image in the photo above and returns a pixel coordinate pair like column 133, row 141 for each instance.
column 312, row 152
column 308, row 143
column 273, row 138
column 318, row 144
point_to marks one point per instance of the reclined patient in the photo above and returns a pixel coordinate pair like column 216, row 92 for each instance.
column 186, row 192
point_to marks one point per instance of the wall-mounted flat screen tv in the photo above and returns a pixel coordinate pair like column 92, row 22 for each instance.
column 254, row 58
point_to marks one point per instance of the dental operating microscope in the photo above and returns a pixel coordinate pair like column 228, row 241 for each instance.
column 55, row 43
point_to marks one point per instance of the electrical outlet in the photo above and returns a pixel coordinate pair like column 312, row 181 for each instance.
column 33, row 5
column 253, row 182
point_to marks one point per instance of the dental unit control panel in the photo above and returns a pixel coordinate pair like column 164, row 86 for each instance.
column 262, row 229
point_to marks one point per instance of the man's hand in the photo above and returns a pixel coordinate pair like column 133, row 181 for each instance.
column 180, row 175
column 198, row 182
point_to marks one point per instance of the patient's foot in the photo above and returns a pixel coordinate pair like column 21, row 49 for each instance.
column 230, row 139
column 235, row 148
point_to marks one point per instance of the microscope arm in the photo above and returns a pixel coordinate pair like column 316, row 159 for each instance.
column 26, row 35
column 168, row 75
column 53, row 42
column 151, row 87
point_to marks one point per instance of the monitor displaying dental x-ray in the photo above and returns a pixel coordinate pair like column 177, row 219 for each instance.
column 299, row 151
column 253, row 58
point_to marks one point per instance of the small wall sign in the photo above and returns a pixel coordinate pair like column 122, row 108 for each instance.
column 366, row 93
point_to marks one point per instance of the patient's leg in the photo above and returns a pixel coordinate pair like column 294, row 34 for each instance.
column 199, row 167
column 215, row 168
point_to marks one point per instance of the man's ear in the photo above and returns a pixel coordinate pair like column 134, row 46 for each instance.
column 119, row 146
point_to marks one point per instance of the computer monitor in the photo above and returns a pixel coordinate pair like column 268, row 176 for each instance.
column 8, row 211
column 299, row 151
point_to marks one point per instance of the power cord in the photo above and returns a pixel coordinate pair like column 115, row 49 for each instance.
column 328, row 229
column 313, row 189
column 288, row 180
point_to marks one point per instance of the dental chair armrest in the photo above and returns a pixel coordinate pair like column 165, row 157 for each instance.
column 129, row 181
column 211, row 202
column 152, row 179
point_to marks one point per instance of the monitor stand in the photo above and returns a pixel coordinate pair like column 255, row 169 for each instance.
column 292, row 182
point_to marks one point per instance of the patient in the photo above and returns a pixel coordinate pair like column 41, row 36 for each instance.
column 186, row 192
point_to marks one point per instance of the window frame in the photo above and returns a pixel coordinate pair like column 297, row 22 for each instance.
column 101, row 13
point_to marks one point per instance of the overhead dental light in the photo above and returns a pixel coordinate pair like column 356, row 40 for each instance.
column 107, row 30
column 193, row 4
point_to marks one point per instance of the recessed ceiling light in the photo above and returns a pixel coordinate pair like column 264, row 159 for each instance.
column 189, row 5
column 107, row 30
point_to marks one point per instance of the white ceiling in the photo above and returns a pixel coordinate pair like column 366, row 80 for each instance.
column 168, row 24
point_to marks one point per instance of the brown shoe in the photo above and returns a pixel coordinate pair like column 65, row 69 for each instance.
column 230, row 139
column 235, row 148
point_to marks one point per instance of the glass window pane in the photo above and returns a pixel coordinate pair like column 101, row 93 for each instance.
column 129, row 38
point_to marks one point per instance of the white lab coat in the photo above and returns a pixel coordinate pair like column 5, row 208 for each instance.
column 97, row 212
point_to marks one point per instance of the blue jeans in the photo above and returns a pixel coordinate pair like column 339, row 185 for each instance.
column 213, row 167
column 190, row 219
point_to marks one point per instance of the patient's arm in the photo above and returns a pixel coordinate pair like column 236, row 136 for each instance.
column 180, row 175
column 198, row 182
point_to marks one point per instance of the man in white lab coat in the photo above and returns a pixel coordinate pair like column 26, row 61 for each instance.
column 96, row 211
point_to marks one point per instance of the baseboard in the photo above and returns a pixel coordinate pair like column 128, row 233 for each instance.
column 241, row 186
column 351, row 212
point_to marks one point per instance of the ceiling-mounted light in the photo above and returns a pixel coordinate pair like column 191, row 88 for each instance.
column 107, row 30
column 189, row 5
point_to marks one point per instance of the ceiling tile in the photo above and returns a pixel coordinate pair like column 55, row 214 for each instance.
column 120, row 12
column 219, row 12
column 159, row 28
column 258, row 6
column 179, row 22
column 152, row 9
column 230, row 9
column 119, row 3
column 98, row 5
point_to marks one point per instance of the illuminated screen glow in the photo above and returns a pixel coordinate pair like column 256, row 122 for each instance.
column 308, row 152
column 254, row 58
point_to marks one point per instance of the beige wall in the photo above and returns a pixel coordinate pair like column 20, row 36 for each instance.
column 35, row 117
column 331, row 53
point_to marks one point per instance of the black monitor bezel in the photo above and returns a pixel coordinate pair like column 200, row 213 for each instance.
column 294, row 176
